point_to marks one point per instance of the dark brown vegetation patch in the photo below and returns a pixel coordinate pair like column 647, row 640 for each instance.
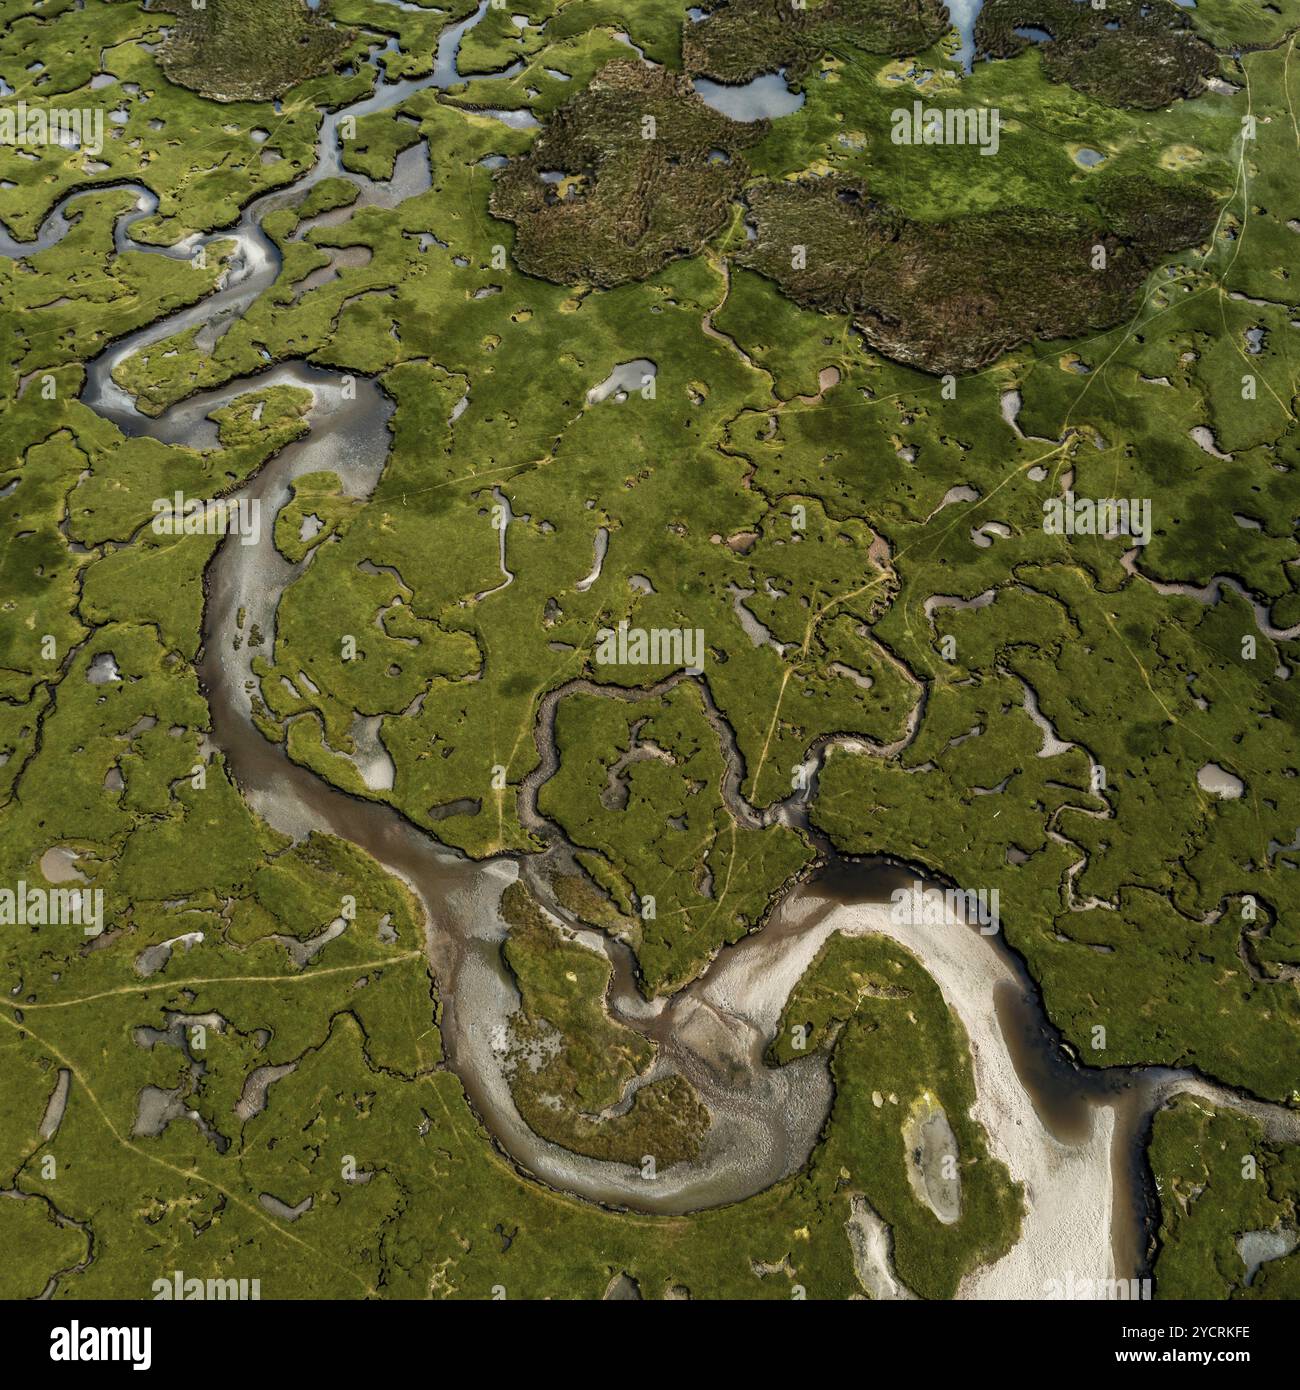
column 1140, row 53
column 953, row 296
column 739, row 39
column 248, row 50
column 633, row 172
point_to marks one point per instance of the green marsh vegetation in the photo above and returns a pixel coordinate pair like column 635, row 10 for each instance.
column 569, row 1061
column 1220, row 1180
column 799, row 516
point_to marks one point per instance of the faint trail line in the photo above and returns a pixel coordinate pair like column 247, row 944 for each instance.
column 144, row 986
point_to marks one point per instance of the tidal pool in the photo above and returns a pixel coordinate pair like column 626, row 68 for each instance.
column 763, row 98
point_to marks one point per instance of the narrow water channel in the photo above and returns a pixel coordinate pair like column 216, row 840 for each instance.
column 766, row 1120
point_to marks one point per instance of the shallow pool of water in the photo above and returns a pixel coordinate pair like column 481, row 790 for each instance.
column 764, row 98
column 963, row 14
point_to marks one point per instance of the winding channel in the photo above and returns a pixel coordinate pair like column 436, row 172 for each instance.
column 1075, row 1136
